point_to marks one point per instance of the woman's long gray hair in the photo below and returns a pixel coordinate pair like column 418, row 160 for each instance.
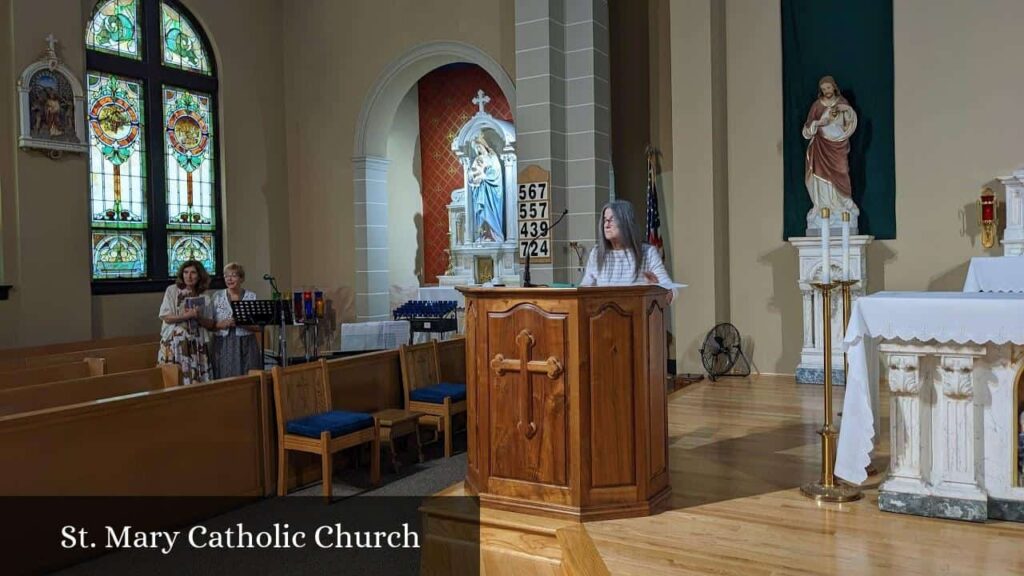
column 630, row 236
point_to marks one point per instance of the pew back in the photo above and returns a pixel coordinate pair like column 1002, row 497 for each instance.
column 199, row 440
column 117, row 359
column 366, row 382
column 452, row 358
column 67, row 392
column 64, row 347
column 30, row 376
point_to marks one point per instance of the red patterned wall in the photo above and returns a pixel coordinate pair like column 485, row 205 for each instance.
column 445, row 99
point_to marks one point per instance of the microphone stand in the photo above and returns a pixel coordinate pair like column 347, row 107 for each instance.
column 282, row 337
column 526, row 271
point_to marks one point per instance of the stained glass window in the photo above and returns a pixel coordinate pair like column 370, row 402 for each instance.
column 189, row 149
column 180, row 44
column 117, row 174
column 154, row 190
column 114, row 28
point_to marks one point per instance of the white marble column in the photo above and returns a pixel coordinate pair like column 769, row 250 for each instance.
column 1013, row 233
column 956, row 431
column 909, row 448
column 371, row 241
column 809, row 318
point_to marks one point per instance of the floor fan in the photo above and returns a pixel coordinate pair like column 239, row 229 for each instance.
column 722, row 350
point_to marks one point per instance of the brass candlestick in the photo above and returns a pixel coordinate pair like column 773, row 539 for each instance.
column 827, row 489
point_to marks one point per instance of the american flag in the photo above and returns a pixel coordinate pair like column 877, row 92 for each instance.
column 653, row 218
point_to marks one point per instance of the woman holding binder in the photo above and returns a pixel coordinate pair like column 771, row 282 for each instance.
column 185, row 313
column 235, row 348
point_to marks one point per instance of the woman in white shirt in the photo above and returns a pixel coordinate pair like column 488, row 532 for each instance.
column 620, row 257
column 235, row 349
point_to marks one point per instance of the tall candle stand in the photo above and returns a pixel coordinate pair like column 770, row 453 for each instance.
column 827, row 489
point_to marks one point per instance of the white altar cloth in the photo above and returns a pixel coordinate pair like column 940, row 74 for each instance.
column 960, row 317
column 372, row 336
column 438, row 293
column 998, row 274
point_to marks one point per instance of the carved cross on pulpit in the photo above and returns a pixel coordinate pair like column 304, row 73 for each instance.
column 552, row 367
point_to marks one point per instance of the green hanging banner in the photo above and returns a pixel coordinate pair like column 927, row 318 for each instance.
column 851, row 41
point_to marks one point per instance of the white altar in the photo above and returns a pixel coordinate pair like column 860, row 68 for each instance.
column 954, row 364
column 811, row 369
column 999, row 274
column 485, row 146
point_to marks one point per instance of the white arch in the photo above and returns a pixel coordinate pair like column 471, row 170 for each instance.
column 378, row 112
column 370, row 164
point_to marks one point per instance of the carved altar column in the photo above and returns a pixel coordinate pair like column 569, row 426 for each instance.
column 910, row 450
column 957, row 429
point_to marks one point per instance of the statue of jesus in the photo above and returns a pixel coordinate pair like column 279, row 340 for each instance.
column 830, row 123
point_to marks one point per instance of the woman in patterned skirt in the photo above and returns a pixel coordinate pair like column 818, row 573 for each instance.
column 235, row 349
column 185, row 313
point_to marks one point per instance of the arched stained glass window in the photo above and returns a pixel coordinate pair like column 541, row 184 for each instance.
column 114, row 28
column 182, row 48
column 153, row 168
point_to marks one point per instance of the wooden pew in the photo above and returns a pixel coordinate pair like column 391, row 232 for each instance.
column 64, row 347
column 198, row 440
column 67, row 392
column 117, row 359
column 452, row 357
column 72, row 370
column 189, row 441
column 366, row 382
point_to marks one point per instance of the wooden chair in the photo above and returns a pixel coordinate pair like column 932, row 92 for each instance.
column 306, row 423
column 425, row 392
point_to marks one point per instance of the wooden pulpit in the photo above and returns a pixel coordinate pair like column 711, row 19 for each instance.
column 566, row 389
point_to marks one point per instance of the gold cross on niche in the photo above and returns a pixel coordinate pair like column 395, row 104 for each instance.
column 552, row 367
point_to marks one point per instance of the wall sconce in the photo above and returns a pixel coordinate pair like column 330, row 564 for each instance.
column 987, row 218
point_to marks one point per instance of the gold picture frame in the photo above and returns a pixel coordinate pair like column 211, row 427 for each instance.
column 483, row 269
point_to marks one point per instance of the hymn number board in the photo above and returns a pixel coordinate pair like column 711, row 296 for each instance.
column 534, row 208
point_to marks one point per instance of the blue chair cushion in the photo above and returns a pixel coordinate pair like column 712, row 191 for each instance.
column 337, row 422
column 437, row 393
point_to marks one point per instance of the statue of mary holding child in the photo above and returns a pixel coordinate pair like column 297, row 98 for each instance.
column 488, row 194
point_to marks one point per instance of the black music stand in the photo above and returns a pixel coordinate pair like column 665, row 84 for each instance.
column 264, row 313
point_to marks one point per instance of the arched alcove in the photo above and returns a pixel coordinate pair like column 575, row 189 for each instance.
column 370, row 163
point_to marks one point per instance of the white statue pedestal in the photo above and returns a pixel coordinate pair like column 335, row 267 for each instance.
column 1013, row 235
column 812, row 355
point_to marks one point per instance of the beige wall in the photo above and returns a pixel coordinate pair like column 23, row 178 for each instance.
column 335, row 52
column 954, row 88
column 46, row 251
column 405, row 202
column 694, row 204
column 956, row 67
column 765, row 302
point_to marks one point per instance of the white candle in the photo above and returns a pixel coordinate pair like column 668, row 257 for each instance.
column 826, row 256
column 846, row 246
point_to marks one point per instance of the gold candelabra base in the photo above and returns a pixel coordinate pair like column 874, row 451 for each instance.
column 828, row 489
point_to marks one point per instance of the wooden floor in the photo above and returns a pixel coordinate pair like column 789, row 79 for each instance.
column 739, row 450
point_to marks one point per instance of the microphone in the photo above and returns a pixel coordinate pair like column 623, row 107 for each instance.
column 273, row 286
column 526, row 271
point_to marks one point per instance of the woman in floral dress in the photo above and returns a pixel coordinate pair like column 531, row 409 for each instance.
column 186, row 314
